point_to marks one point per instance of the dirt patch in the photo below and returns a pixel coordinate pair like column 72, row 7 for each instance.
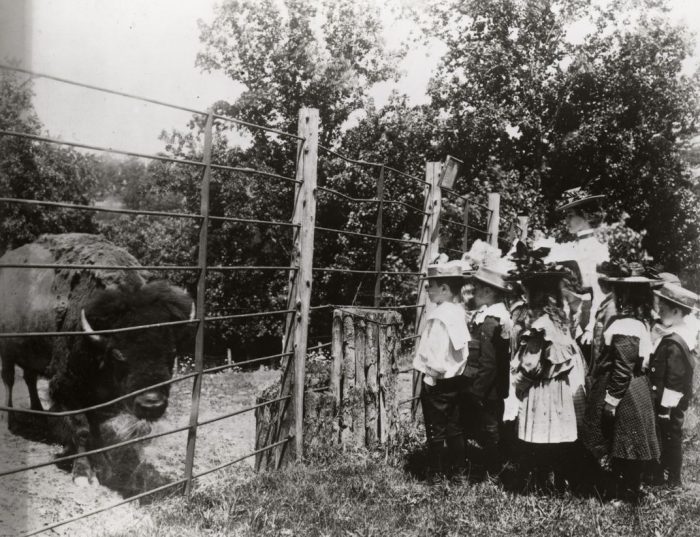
column 37, row 498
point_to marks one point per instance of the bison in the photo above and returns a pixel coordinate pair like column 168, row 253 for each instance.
column 87, row 370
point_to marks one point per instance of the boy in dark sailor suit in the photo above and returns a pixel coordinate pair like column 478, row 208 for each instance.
column 671, row 375
column 487, row 372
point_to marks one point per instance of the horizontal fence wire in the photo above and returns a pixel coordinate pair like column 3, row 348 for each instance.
column 318, row 347
column 155, row 490
column 141, row 267
column 147, row 100
column 107, row 507
column 255, row 126
column 111, row 447
column 453, row 222
column 253, row 171
column 319, row 389
column 406, row 401
column 404, row 371
column 75, row 412
column 345, row 306
column 375, row 164
column 465, row 197
column 239, row 459
column 415, row 242
column 65, row 205
column 97, row 332
column 409, row 338
column 371, row 200
column 353, row 271
column 249, row 267
column 242, row 410
column 98, row 267
column 253, row 221
column 81, row 145
column 233, row 365
column 248, row 315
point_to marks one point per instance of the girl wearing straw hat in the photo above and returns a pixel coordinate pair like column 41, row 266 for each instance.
column 619, row 428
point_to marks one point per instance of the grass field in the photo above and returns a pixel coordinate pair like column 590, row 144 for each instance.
column 376, row 493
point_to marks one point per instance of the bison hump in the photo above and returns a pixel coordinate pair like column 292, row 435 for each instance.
column 86, row 249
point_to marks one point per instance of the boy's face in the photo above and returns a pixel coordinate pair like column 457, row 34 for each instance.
column 667, row 313
column 438, row 292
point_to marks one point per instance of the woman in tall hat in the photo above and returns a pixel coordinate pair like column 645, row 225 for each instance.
column 619, row 428
column 549, row 370
column 583, row 215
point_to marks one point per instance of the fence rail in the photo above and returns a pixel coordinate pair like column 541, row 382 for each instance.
column 299, row 270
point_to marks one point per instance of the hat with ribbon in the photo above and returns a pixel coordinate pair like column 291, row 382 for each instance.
column 530, row 265
column 678, row 295
column 575, row 197
column 629, row 262
column 442, row 268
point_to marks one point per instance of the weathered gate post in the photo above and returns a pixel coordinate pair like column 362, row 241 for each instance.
column 430, row 236
column 285, row 419
column 364, row 375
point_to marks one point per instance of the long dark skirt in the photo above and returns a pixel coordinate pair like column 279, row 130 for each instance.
column 633, row 435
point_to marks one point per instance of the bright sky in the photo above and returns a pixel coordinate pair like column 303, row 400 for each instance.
column 147, row 48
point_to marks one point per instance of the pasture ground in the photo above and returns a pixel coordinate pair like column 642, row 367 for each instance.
column 30, row 500
column 353, row 493
column 373, row 493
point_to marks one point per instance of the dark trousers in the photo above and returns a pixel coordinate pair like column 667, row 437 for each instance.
column 483, row 421
column 670, row 433
column 442, row 411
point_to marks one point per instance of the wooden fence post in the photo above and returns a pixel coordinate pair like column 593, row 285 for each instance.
column 201, row 303
column 430, row 236
column 290, row 414
column 378, row 254
column 494, row 219
column 465, row 221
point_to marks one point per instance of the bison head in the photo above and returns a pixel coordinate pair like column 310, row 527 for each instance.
column 130, row 361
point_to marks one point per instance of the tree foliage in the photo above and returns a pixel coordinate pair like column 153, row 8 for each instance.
column 533, row 113
column 37, row 171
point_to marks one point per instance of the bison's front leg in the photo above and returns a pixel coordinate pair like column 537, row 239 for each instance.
column 83, row 473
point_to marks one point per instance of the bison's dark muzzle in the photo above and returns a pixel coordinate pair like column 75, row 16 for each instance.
column 150, row 405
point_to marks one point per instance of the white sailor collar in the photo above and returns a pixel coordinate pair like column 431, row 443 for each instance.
column 454, row 318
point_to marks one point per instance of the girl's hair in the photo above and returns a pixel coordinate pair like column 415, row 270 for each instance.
column 634, row 300
column 593, row 213
column 455, row 285
column 544, row 297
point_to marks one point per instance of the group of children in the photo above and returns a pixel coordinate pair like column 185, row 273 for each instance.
column 526, row 344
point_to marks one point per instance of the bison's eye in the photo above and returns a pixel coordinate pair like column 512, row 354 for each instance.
column 118, row 355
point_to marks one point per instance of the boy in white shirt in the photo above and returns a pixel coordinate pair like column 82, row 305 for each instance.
column 441, row 356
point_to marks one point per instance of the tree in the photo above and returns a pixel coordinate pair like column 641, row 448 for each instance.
column 533, row 113
column 39, row 171
column 294, row 53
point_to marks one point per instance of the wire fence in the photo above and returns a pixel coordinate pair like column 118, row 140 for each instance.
column 299, row 271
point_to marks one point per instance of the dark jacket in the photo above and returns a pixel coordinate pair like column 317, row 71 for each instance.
column 487, row 367
column 671, row 367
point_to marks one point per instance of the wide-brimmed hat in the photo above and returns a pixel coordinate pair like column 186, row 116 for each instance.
column 530, row 265
column 576, row 197
column 450, row 269
column 493, row 277
column 678, row 295
column 629, row 273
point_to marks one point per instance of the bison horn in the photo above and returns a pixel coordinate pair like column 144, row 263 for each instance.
column 193, row 312
column 87, row 328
